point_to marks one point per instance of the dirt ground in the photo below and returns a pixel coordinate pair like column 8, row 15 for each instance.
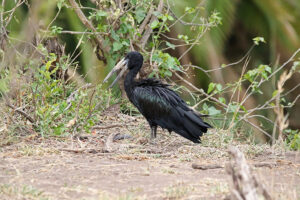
column 96, row 166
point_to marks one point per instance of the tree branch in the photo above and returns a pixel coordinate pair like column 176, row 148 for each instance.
column 149, row 30
column 98, row 38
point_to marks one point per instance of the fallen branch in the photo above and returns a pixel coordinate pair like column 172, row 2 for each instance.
column 265, row 164
column 205, row 167
column 102, row 150
column 217, row 166
column 108, row 126
column 24, row 114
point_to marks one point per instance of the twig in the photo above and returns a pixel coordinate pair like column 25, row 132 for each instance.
column 200, row 90
column 21, row 112
column 12, row 11
column 257, row 127
column 72, row 95
column 81, row 32
column 192, row 45
column 188, row 23
column 1, row 14
column 223, row 66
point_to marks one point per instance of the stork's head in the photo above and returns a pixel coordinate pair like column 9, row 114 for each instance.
column 133, row 60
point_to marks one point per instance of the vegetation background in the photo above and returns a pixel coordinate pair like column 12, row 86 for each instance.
column 211, row 48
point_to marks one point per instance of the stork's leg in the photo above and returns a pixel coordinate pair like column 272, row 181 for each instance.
column 153, row 132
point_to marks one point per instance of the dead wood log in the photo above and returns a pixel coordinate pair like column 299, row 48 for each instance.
column 245, row 184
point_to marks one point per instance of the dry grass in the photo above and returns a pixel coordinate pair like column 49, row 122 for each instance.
column 136, row 168
column 15, row 192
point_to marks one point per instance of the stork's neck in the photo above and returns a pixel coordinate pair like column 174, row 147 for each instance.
column 129, row 81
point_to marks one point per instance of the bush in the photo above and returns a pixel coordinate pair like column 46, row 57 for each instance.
column 51, row 105
column 293, row 139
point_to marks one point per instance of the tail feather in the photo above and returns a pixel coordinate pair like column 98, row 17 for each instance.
column 197, row 120
column 188, row 136
column 185, row 123
column 194, row 126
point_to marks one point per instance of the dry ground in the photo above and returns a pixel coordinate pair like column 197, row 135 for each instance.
column 96, row 167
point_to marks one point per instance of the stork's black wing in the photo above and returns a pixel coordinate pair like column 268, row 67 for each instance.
column 162, row 106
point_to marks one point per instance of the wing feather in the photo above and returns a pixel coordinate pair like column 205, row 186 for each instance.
column 162, row 106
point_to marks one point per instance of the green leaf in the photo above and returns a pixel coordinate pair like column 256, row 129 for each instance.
column 140, row 14
column 219, row 87
column 233, row 108
column 3, row 85
column 117, row 46
column 168, row 73
column 211, row 87
column 296, row 65
column 244, row 109
column 156, row 13
column 205, row 108
column 164, row 18
column 268, row 69
column 215, row 18
column 151, row 75
column 222, row 100
column 101, row 13
column 170, row 18
column 133, row 2
column 257, row 40
column 102, row 27
column 274, row 93
column 56, row 30
column 60, row 3
column 114, row 35
column 213, row 111
column 154, row 24
column 125, row 43
column 189, row 10
column 172, row 46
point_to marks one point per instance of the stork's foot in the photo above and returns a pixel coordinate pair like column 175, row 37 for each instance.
column 153, row 141
column 153, row 132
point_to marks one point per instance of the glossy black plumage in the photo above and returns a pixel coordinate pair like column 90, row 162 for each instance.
column 160, row 105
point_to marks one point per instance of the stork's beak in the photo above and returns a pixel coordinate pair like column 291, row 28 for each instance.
column 121, row 65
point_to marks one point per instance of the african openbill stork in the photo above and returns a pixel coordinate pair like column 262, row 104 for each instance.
column 160, row 105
